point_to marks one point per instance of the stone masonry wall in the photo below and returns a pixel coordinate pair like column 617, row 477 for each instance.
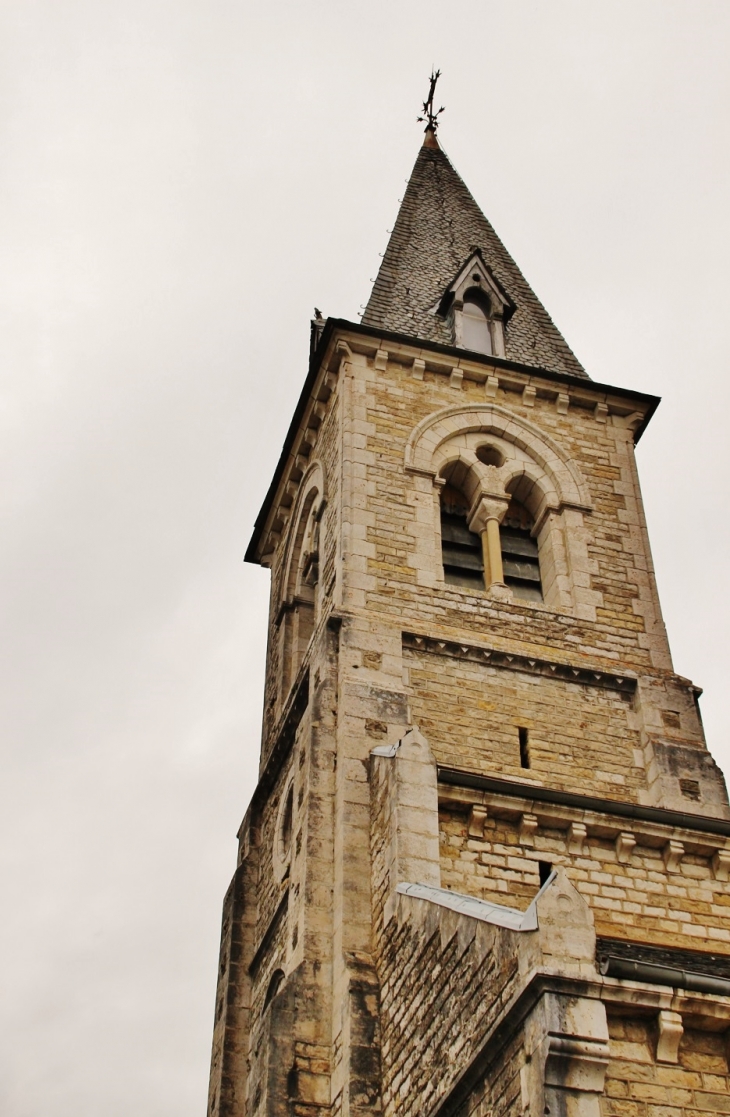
column 501, row 1092
column 621, row 566
column 638, row 1086
column 578, row 736
column 444, row 979
column 273, row 875
column 325, row 451
column 637, row 898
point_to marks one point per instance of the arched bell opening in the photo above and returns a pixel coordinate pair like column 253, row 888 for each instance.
column 461, row 549
column 520, row 552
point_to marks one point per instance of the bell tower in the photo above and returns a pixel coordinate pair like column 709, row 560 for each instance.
column 485, row 868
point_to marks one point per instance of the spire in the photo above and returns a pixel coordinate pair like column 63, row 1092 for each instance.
column 439, row 226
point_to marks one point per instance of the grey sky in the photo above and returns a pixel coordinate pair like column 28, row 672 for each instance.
column 180, row 183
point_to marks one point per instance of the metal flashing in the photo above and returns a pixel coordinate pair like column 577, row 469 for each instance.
column 498, row 914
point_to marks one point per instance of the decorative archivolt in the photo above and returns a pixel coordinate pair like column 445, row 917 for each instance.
column 533, row 467
column 311, row 491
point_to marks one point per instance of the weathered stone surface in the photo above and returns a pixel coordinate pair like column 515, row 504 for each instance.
column 337, row 992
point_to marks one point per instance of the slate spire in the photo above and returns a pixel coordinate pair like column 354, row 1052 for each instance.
column 439, row 225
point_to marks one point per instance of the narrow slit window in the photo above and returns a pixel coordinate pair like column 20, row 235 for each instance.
column 519, row 553
column 544, row 868
column 524, row 747
column 461, row 549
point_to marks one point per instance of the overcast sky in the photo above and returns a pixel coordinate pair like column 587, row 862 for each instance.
column 180, row 183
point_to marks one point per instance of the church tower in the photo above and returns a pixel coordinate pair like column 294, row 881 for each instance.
column 485, row 868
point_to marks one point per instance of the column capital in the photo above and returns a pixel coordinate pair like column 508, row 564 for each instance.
column 489, row 506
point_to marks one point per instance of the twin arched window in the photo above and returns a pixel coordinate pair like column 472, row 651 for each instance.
column 462, row 550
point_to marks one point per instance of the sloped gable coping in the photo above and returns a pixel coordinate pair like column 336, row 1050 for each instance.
column 504, row 306
column 498, row 914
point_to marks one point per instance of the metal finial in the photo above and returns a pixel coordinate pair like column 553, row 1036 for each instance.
column 431, row 117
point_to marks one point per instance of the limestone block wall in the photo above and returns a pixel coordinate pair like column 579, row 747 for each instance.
column 578, row 736
column 229, row 1056
column 444, row 980
column 638, row 885
column 365, row 969
column 380, row 555
column 266, row 1021
column 638, row 1085
column 617, row 580
column 320, row 469
column 278, row 828
column 458, row 1026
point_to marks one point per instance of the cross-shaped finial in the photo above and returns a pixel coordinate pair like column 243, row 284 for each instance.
column 431, row 117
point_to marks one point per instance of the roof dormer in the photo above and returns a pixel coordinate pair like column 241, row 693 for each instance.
column 477, row 307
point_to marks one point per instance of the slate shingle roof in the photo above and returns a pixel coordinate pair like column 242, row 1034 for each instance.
column 438, row 226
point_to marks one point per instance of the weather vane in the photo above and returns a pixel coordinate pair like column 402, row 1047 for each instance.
column 431, row 117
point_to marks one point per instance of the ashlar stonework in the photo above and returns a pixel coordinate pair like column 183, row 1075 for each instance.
column 485, row 868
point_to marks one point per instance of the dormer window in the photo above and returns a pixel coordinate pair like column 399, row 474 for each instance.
column 478, row 308
column 475, row 332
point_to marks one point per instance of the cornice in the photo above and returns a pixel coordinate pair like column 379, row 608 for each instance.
column 340, row 336
column 532, row 665
column 553, row 798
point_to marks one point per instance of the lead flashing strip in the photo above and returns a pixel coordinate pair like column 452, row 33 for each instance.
column 498, row 914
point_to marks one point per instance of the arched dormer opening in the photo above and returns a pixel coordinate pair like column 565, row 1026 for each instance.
column 477, row 307
column 476, row 332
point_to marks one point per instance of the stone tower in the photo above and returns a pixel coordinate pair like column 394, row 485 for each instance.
column 485, row 868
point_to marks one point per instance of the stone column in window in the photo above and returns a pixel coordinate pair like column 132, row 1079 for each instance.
column 485, row 520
